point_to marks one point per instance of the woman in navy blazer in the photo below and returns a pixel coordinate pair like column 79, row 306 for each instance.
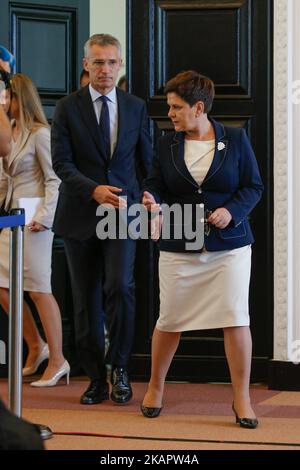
column 204, row 162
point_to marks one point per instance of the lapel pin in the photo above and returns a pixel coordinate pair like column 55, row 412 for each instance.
column 221, row 145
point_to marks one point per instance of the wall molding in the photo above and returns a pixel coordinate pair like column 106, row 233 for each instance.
column 286, row 181
column 282, row 155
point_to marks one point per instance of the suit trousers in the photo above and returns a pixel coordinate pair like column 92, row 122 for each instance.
column 103, row 288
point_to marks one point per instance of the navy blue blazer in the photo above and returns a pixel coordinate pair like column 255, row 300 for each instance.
column 233, row 181
column 79, row 159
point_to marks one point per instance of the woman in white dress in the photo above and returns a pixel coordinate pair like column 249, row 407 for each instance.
column 30, row 176
column 203, row 162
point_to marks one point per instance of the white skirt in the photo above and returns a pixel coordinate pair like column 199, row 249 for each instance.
column 205, row 290
column 37, row 260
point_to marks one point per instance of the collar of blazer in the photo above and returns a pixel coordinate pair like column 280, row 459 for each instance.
column 88, row 114
column 177, row 149
column 16, row 153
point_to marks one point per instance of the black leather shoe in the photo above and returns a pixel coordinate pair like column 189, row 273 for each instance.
column 44, row 431
column 250, row 423
column 121, row 389
column 150, row 412
column 95, row 393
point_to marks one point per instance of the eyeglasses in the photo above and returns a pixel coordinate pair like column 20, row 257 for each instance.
column 207, row 225
column 112, row 63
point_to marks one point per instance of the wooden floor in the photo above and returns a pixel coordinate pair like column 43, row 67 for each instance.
column 194, row 417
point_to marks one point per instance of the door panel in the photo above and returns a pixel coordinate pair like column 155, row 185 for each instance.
column 47, row 40
column 231, row 42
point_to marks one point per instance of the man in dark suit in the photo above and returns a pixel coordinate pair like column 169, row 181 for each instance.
column 18, row 434
column 101, row 149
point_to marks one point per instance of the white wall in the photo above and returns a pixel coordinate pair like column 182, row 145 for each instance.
column 109, row 16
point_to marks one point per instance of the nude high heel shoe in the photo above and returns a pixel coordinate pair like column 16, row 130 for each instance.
column 44, row 354
column 64, row 370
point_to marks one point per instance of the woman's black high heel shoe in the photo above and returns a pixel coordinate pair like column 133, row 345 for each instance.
column 250, row 423
column 150, row 412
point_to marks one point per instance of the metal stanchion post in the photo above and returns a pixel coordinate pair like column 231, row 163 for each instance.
column 16, row 316
column 16, row 262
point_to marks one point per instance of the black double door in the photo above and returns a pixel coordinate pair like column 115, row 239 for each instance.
column 231, row 42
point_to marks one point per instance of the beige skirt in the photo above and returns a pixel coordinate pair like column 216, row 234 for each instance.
column 37, row 260
column 205, row 290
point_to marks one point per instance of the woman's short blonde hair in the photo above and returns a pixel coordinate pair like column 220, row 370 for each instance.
column 32, row 115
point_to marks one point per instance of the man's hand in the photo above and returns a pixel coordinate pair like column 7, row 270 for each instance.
column 104, row 194
column 220, row 218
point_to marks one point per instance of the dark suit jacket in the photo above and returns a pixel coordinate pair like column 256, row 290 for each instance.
column 233, row 181
column 79, row 159
column 16, row 433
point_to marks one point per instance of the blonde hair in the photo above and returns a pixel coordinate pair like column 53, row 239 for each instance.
column 31, row 113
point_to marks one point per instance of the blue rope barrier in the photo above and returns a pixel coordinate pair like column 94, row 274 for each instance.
column 12, row 221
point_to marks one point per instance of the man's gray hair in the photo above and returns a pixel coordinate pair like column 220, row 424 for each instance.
column 102, row 40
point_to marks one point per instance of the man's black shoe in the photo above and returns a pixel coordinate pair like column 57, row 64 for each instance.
column 44, row 431
column 121, row 388
column 96, row 392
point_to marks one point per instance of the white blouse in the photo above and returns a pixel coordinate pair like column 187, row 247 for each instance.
column 198, row 157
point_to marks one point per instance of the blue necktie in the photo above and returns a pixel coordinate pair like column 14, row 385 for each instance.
column 104, row 124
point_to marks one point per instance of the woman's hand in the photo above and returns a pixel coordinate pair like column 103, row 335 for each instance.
column 156, row 217
column 5, row 65
column 149, row 202
column 220, row 218
column 34, row 226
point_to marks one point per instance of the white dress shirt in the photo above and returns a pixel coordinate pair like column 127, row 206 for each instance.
column 113, row 113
